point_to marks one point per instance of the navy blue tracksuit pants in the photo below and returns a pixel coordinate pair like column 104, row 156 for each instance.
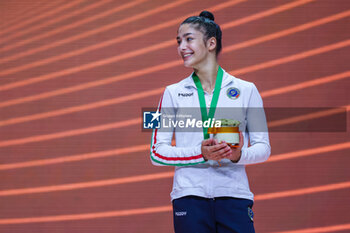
column 194, row 214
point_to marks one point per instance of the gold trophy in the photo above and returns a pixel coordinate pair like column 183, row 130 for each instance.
column 228, row 132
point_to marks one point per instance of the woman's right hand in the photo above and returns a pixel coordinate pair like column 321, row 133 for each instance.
column 212, row 150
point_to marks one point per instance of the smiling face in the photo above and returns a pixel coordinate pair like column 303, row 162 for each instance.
column 192, row 47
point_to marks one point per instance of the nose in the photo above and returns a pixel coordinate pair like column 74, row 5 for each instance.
column 182, row 45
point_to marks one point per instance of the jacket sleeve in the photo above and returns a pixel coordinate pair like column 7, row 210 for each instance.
column 162, row 153
column 257, row 132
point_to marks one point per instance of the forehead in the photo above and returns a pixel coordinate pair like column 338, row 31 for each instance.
column 186, row 29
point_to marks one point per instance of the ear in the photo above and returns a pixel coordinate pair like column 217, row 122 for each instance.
column 211, row 44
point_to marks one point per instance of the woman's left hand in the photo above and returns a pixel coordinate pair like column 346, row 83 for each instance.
column 236, row 151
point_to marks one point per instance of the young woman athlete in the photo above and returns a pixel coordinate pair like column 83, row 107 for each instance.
column 210, row 189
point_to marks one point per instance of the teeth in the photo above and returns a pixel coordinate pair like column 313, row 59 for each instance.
column 186, row 55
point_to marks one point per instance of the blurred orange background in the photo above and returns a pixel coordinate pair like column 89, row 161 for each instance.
column 74, row 76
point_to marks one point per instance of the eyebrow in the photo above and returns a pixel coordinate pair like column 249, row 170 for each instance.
column 186, row 34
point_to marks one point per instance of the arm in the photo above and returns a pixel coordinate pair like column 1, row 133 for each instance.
column 260, row 149
column 162, row 153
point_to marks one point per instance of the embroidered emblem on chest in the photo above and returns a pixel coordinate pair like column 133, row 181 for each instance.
column 233, row 93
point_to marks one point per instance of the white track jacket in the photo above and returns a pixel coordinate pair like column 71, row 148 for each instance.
column 195, row 176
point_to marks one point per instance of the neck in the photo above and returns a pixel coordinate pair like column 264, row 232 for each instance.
column 207, row 75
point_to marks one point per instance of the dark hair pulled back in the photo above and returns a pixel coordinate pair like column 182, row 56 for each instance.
column 205, row 23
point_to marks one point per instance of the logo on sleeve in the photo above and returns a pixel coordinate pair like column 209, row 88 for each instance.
column 233, row 93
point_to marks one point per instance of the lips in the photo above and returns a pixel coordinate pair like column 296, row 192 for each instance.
column 187, row 56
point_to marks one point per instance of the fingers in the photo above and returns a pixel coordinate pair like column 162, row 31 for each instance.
column 220, row 151
column 223, row 153
column 208, row 142
column 217, row 151
column 217, row 146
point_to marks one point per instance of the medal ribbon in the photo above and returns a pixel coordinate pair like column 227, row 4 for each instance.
column 214, row 101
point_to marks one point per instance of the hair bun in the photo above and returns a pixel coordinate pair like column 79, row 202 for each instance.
column 207, row 14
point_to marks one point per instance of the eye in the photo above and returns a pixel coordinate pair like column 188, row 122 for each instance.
column 178, row 42
column 189, row 38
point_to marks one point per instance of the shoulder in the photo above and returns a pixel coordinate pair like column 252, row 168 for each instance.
column 248, row 91
column 239, row 81
column 181, row 86
column 233, row 81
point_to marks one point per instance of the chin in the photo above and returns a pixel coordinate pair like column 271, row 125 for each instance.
column 188, row 64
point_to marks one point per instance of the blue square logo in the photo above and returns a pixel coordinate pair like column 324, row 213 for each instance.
column 151, row 120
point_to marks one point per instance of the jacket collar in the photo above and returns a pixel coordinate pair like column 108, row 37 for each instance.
column 226, row 80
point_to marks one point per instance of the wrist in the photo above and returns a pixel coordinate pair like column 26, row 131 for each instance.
column 239, row 158
column 205, row 159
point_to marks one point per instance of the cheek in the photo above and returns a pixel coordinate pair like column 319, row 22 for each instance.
column 178, row 50
column 198, row 46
